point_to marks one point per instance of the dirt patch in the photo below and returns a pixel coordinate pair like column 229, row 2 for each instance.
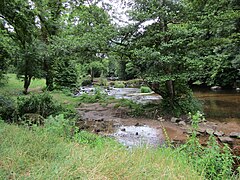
column 109, row 120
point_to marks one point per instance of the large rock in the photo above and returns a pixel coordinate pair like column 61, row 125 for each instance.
column 226, row 140
column 201, row 130
column 214, row 88
column 218, row 133
column 182, row 123
column 235, row 135
column 174, row 120
column 209, row 131
column 161, row 119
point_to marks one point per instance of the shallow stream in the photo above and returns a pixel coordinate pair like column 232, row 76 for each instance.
column 221, row 105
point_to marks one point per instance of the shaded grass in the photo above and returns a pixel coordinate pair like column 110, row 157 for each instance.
column 28, row 154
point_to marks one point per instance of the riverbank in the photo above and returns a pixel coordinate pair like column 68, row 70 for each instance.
column 23, row 155
column 42, row 155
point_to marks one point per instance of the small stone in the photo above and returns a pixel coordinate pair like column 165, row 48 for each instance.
column 182, row 123
column 99, row 119
column 174, row 120
column 218, row 133
column 235, row 135
column 123, row 129
column 201, row 130
column 138, row 124
column 226, row 140
column 188, row 131
column 209, row 131
column 136, row 133
column 160, row 119
column 97, row 130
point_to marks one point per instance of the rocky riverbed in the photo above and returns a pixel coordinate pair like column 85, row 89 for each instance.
column 115, row 122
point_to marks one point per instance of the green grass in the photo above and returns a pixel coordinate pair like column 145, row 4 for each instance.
column 145, row 89
column 14, row 88
column 28, row 154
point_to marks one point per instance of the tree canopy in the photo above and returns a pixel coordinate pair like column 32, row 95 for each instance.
column 170, row 44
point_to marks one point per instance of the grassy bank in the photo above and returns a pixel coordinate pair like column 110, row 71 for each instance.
column 56, row 151
column 14, row 88
column 28, row 154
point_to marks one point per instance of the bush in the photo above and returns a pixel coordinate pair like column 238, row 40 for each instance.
column 59, row 126
column 145, row 89
column 41, row 104
column 103, row 80
column 181, row 105
column 7, row 108
column 135, row 109
column 118, row 84
column 213, row 161
column 86, row 82
column 65, row 75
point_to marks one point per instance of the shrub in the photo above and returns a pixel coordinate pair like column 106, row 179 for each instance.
column 181, row 105
column 7, row 108
column 135, row 109
column 86, row 82
column 213, row 161
column 98, row 96
column 145, row 89
column 103, row 80
column 42, row 104
column 118, row 84
column 65, row 74
column 59, row 126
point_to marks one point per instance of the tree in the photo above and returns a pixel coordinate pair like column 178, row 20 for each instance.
column 49, row 16
column 5, row 42
column 160, row 51
column 87, row 35
column 217, row 43
column 19, row 22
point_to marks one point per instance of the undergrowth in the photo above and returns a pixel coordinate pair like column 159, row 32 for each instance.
column 212, row 161
column 46, row 153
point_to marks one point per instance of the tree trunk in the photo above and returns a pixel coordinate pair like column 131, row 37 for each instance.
column 122, row 68
column 27, row 81
column 92, row 74
column 49, row 75
column 170, row 91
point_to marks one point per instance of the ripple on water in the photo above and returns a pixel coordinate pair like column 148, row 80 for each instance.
column 137, row 136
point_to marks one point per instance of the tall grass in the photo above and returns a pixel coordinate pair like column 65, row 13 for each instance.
column 39, row 154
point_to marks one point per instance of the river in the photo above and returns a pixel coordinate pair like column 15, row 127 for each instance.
column 221, row 105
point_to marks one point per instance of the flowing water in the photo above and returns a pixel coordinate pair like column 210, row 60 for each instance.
column 223, row 106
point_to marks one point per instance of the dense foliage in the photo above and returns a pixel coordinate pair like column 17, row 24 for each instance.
column 169, row 44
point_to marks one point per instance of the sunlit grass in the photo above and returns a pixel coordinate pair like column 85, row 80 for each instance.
column 14, row 88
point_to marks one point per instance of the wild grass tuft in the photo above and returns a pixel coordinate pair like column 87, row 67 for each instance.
column 39, row 154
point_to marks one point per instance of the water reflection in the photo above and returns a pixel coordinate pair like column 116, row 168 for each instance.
column 220, row 105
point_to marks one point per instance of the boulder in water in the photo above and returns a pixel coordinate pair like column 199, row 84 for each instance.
column 214, row 88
